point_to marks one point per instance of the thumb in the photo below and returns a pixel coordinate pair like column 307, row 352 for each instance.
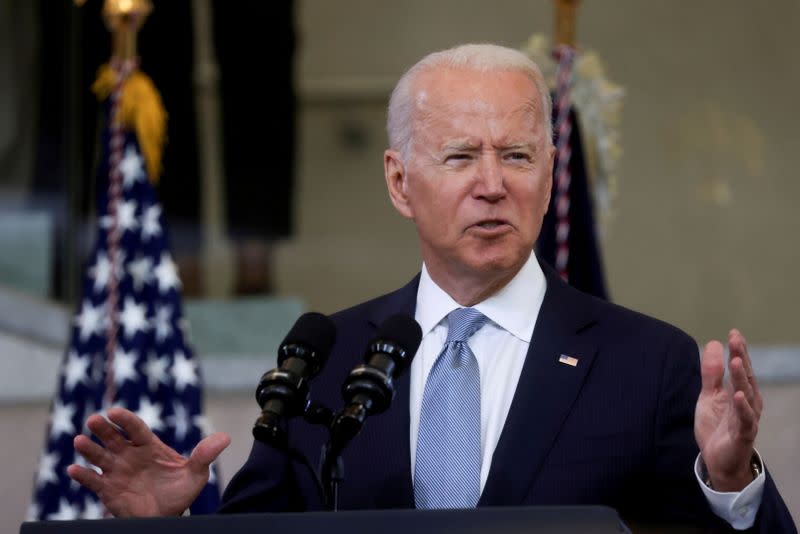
column 208, row 450
column 712, row 366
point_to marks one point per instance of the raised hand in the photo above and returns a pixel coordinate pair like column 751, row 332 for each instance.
column 727, row 414
column 141, row 476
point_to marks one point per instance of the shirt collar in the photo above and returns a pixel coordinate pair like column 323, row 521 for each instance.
column 514, row 308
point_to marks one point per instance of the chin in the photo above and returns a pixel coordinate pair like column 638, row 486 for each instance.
column 489, row 263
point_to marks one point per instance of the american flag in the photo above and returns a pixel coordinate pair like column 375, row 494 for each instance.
column 568, row 360
column 148, row 367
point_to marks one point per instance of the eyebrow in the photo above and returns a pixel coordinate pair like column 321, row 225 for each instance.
column 516, row 146
column 459, row 145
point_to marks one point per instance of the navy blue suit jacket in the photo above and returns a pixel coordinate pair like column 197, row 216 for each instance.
column 616, row 429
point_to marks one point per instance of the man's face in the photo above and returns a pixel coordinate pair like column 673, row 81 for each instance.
column 477, row 178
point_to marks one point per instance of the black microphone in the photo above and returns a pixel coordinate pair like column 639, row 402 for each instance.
column 369, row 388
column 283, row 392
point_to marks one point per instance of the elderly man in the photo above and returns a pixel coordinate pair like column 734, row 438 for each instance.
column 524, row 391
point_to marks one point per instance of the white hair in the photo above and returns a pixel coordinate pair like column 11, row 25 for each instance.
column 477, row 57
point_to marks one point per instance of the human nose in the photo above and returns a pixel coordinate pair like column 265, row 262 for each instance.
column 490, row 183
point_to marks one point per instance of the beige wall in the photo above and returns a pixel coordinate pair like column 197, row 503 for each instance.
column 704, row 228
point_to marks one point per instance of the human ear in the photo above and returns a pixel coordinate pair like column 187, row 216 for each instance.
column 397, row 182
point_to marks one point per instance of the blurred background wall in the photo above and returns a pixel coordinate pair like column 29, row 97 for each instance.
column 704, row 224
column 703, row 229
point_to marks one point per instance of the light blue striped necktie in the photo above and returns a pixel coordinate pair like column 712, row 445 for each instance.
column 447, row 469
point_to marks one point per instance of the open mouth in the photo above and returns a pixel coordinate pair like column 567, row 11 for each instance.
column 491, row 224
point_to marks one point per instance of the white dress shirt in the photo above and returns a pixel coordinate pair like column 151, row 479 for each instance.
column 500, row 348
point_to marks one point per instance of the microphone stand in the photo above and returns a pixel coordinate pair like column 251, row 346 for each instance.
column 331, row 466
column 332, row 471
column 342, row 428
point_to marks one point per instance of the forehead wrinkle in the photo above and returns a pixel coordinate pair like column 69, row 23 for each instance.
column 432, row 107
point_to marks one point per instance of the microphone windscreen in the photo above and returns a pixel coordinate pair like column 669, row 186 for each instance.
column 313, row 330
column 402, row 330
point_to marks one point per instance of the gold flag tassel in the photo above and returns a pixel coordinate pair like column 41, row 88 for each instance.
column 140, row 107
column 141, row 110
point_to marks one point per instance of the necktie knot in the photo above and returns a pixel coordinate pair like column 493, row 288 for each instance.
column 463, row 323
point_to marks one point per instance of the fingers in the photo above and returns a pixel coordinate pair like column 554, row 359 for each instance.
column 208, row 450
column 137, row 430
column 108, row 434
column 85, row 477
column 738, row 353
column 93, row 453
column 739, row 380
column 738, row 349
column 748, row 420
column 712, row 366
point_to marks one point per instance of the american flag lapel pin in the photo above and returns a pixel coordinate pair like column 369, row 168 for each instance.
column 568, row 360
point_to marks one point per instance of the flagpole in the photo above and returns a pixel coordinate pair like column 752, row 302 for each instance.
column 565, row 16
column 123, row 18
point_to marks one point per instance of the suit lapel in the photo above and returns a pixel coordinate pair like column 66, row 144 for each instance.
column 545, row 393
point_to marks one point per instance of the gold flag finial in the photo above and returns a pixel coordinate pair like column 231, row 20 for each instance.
column 124, row 18
column 566, row 15
column 140, row 106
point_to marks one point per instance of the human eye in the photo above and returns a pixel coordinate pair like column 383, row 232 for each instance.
column 518, row 156
column 457, row 158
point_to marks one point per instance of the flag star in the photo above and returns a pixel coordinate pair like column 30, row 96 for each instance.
column 101, row 272
column 66, row 512
column 131, row 167
column 124, row 366
column 167, row 274
column 163, row 322
column 151, row 224
column 126, row 216
column 141, row 270
column 47, row 469
column 133, row 318
column 181, row 421
column 156, row 370
column 184, row 371
column 61, row 420
column 150, row 413
column 76, row 370
column 92, row 509
column 90, row 321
